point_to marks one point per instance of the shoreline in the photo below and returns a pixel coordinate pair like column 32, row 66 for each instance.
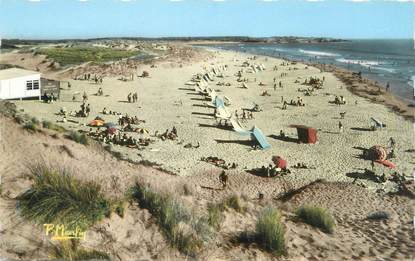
column 374, row 92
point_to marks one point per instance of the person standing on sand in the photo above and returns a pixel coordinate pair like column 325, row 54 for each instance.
column 129, row 97
column 387, row 87
column 85, row 97
column 340, row 127
column 275, row 87
column 223, row 177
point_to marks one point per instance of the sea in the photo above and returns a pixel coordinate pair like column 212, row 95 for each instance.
column 384, row 61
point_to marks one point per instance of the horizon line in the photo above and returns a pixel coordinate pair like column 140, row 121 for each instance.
column 204, row 37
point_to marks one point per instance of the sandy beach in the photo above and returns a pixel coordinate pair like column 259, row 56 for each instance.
column 180, row 106
column 164, row 102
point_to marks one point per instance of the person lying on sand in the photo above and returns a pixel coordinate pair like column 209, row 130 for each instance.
column 190, row 145
column 265, row 93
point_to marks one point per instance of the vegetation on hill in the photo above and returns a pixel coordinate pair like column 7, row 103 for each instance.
column 182, row 228
column 78, row 55
column 56, row 197
column 269, row 232
column 317, row 217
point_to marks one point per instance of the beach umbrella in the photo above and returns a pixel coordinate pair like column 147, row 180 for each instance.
column 96, row 123
column 377, row 153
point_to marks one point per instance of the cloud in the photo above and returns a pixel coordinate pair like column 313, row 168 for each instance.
column 315, row 0
column 176, row 0
column 34, row 0
column 358, row 1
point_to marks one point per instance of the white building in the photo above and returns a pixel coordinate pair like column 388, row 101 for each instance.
column 18, row 83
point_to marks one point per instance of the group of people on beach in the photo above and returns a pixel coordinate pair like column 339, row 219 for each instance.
column 168, row 134
column 118, row 138
column 87, row 77
column 132, row 97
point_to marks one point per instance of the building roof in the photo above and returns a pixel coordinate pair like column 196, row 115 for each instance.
column 15, row 73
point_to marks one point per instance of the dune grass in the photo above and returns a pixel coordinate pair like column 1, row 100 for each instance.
column 70, row 251
column 52, row 126
column 215, row 215
column 181, row 227
column 32, row 125
column 233, row 202
column 215, row 211
column 78, row 137
column 78, row 55
column 317, row 217
column 58, row 198
column 269, row 232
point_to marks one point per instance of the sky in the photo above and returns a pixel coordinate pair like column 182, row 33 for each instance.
column 65, row 19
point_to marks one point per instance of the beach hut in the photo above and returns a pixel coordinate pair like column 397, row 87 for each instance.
column 306, row 134
column 16, row 83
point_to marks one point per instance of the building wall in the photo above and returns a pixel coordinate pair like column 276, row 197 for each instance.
column 16, row 88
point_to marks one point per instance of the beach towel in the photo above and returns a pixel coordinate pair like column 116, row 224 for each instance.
column 386, row 163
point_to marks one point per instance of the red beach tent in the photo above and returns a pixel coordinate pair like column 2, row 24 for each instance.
column 306, row 134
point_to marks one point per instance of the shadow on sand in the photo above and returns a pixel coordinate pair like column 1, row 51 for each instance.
column 242, row 142
column 203, row 114
column 186, row 89
column 361, row 129
column 229, row 128
column 198, row 99
column 366, row 175
column 287, row 139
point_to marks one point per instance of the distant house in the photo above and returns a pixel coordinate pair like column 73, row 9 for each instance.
column 16, row 83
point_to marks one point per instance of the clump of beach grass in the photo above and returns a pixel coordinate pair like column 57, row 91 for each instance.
column 70, row 251
column 269, row 231
column 183, row 229
column 215, row 215
column 215, row 211
column 233, row 202
column 78, row 137
column 119, row 208
column 317, row 217
column 32, row 125
column 57, row 197
column 52, row 126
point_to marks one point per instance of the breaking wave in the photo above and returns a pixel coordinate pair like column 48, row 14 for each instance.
column 316, row 53
column 364, row 63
